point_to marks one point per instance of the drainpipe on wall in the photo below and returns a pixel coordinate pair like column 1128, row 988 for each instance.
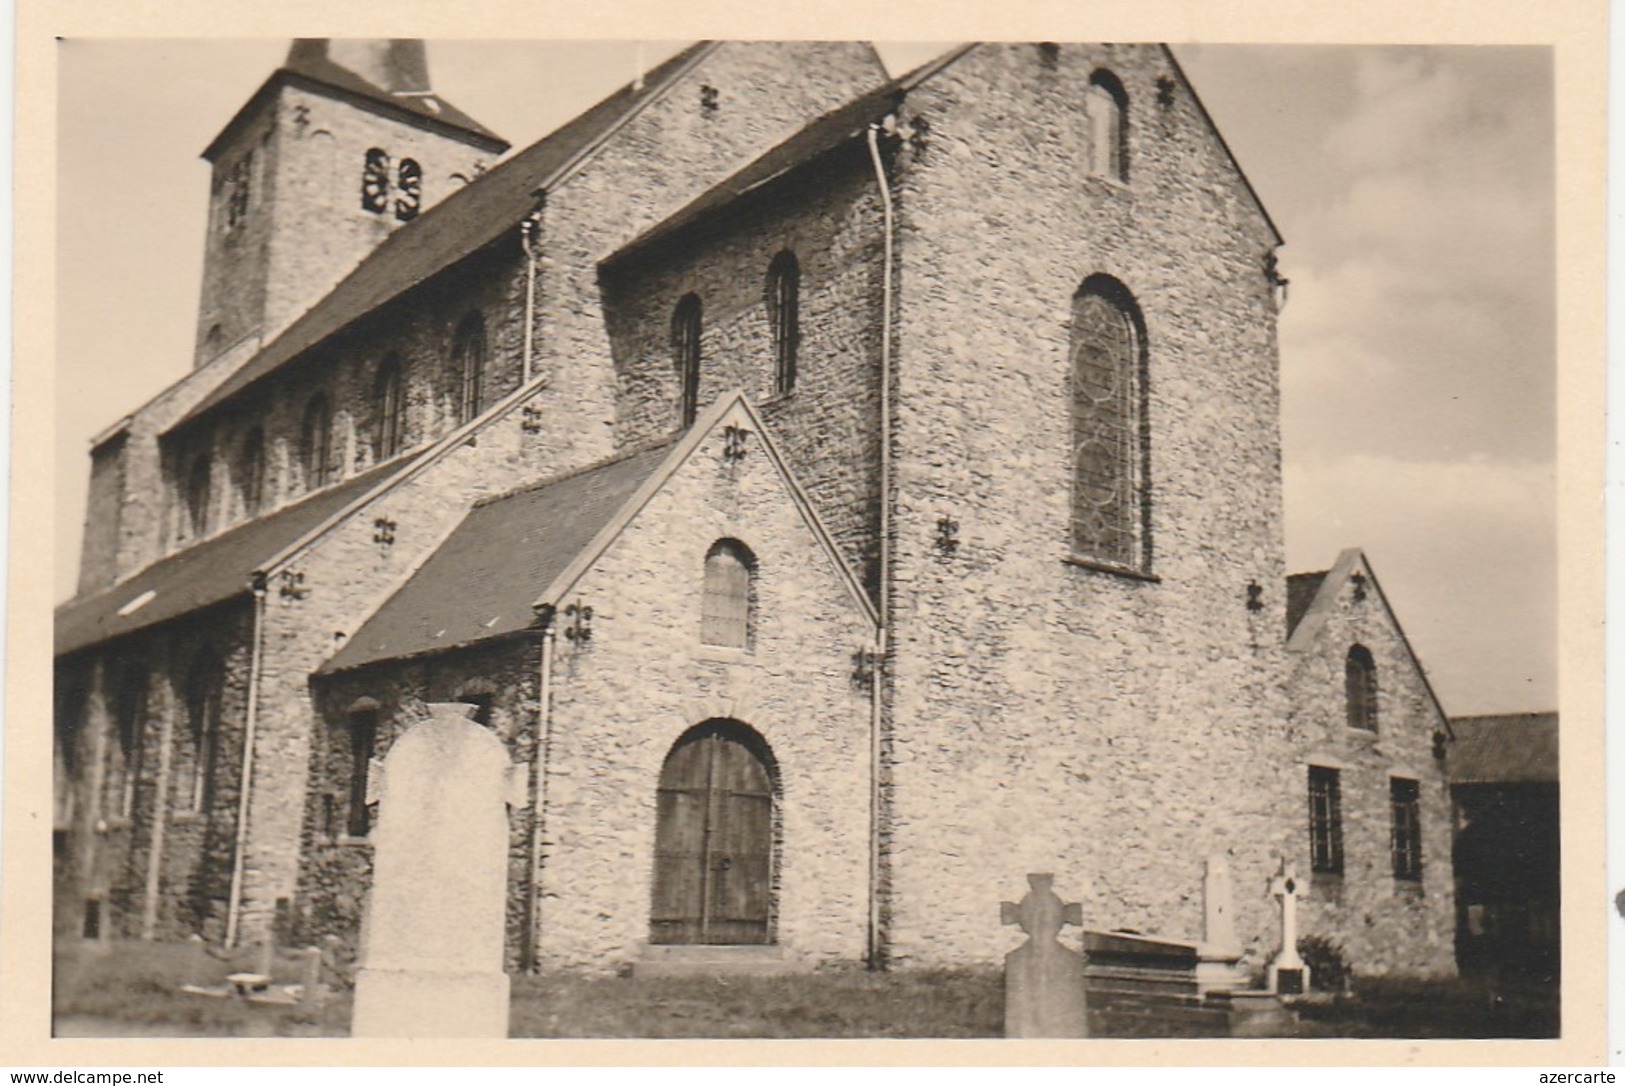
column 239, row 849
column 882, row 607
column 160, row 818
column 538, row 806
column 529, row 232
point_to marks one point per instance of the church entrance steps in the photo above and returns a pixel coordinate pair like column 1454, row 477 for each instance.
column 715, row 961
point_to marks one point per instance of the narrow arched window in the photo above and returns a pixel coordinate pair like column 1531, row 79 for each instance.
column 388, row 428
column 316, row 443
column 468, row 361
column 251, row 472
column 375, row 181
column 1360, row 686
column 725, row 614
column 1106, row 104
column 363, row 737
column 197, row 497
column 685, row 356
column 1110, row 521
column 409, row 183
column 124, row 755
column 783, row 297
column 203, row 722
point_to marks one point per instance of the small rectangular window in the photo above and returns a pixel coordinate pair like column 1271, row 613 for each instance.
column 1325, row 821
column 1405, row 799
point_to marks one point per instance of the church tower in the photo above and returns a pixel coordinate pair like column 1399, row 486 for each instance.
column 342, row 145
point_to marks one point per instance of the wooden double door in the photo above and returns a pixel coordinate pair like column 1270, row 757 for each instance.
column 714, row 840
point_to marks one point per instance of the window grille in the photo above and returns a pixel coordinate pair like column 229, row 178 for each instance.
column 409, row 182
column 1108, row 438
column 375, row 181
column 468, row 357
column 1405, row 799
column 1360, row 687
column 317, row 443
column 725, row 617
column 784, row 318
column 1325, row 821
column 363, row 737
column 685, row 350
column 387, row 396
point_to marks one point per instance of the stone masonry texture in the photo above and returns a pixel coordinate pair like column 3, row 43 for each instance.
column 1037, row 712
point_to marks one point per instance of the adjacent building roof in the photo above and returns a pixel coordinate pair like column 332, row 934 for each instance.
column 203, row 575
column 461, row 224
column 1516, row 748
column 485, row 578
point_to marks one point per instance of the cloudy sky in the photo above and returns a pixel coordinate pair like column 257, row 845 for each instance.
column 1414, row 187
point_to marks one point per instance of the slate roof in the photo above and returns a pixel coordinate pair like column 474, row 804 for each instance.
column 1300, row 593
column 461, row 224
column 483, row 580
column 811, row 142
column 1517, row 748
column 206, row 574
column 309, row 65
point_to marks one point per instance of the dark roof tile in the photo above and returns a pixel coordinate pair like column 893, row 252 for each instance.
column 208, row 573
column 461, row 224
column 1300, row 593
column 1516, row 748
column 483, row 580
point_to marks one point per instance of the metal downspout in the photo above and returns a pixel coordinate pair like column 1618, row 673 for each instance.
column 239, row 851
column 528, row 231
column 882, row 607
column 538, row 807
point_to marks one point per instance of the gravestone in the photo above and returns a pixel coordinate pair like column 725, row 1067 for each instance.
column 1043, row 980
column 1288, row 974
column 1218, row 920
column 432, row 934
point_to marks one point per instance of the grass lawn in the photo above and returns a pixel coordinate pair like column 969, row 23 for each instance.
column 132, row 989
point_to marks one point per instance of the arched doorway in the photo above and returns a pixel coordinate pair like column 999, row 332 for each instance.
column 713, row 880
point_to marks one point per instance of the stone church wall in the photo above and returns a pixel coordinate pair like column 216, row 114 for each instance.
column 1383, row 924
column 1047, row 716
column 829, row 424
column 645, row 679
column 672, row 152
column 335, row 869
column 110, row 856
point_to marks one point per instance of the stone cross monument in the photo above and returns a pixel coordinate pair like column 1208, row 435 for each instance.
column 1288, row 974
column 1043, row 980
column 432, row 936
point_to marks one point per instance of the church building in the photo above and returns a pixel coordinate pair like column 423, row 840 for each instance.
column 844, row 494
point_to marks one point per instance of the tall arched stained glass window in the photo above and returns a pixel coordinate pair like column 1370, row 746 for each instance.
column 1360, row 688
column 685, row 352
column 1107, row 107
column 468, row 360
column 783, row 298
column 316, row 443
column 725, row 613
column 389, row 430
column 1109, row 437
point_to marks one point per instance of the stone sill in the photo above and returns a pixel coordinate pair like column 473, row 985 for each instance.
column 184, row 818
column 1097, row 566
column 722, row 654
